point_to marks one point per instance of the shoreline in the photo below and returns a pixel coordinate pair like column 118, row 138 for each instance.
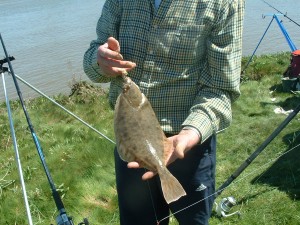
column 35, row 94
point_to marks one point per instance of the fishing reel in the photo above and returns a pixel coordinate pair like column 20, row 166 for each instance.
column 225, row 206
column 63, row 219
column 68, row 221
column 5, row 60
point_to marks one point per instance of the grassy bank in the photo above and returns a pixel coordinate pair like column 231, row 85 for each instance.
column 81, row 161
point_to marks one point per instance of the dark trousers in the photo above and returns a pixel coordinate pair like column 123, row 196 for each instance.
column 142, row 203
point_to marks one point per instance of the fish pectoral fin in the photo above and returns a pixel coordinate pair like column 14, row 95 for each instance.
column 171, row 188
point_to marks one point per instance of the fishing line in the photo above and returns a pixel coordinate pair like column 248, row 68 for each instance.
column 282, row 13
column 151, row 196
column 17, row 156
column 64, row 109
column 232, row 184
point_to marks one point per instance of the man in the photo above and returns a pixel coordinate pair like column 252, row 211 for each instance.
column 185, row 56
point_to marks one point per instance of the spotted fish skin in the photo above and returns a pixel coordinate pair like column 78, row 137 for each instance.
column 139, row 137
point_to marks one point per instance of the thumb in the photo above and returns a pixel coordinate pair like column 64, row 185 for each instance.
column 113, row 44
column 180, row 149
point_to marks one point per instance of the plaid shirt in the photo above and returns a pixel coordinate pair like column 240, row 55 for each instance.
column 188, row 57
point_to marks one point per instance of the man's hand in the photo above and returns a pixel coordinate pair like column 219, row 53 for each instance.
column 182, row 143
column 110, row 60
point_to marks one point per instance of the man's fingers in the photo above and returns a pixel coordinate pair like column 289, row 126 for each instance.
column 148, row 175
column 117, row 63
column 109, row 58
column 112, row 71
column 105, row 52
column 133, row 165
column 113, row 44
column 110, row 61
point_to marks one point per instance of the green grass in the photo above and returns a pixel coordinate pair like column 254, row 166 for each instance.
column 81, row 161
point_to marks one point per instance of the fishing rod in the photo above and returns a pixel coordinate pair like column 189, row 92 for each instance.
column 63, row 108
column 281, row 13
column 62, row 218
column 13, row 134
column 227, row 203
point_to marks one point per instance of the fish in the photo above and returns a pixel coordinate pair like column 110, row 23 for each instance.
column 140, row 138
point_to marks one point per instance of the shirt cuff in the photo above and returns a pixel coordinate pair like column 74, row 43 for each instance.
column 193, row 129
column 201, row 123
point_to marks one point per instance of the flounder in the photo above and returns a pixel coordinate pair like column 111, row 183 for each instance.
column 139, row 137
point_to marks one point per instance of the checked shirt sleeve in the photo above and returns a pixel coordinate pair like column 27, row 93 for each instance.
column 211, row 111
column 107, row 26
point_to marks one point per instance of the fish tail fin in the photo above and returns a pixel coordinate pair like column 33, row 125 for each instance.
column 171, row 188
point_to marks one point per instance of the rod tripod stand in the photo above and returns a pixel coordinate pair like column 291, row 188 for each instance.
column 62, row 218
column 2, row 71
